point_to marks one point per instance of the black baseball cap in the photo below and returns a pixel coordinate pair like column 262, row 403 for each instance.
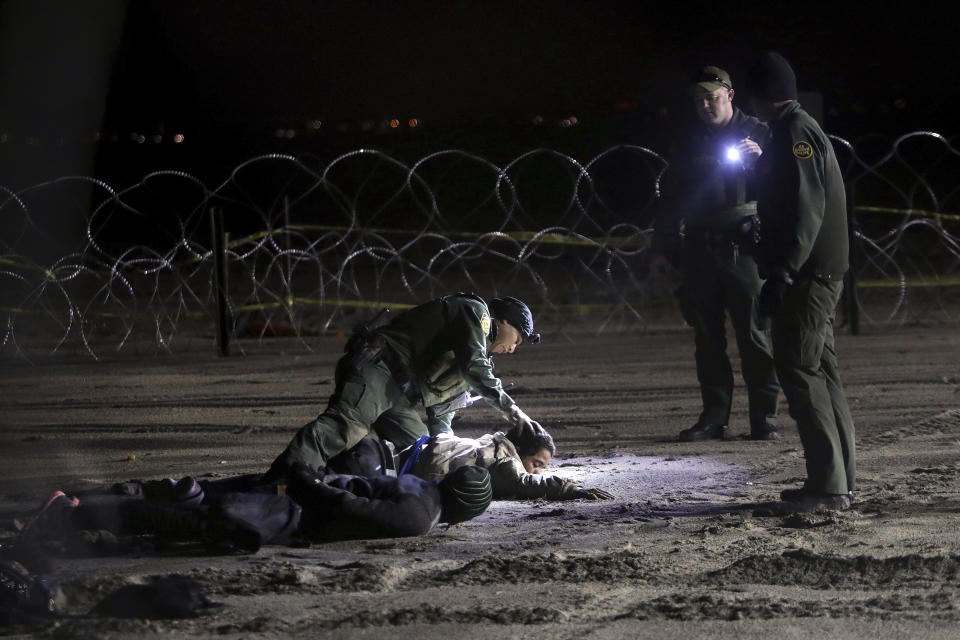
column 710, row 79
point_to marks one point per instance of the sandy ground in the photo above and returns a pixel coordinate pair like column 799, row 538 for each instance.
column 690, row 546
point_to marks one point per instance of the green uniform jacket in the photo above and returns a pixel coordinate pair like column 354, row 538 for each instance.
column 701, row 188
column 444, row 343
column 802, row 203
column 446, row 452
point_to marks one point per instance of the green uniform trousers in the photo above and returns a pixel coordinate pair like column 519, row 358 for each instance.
column 717, row 281
column 364, row 401
column 806, row 360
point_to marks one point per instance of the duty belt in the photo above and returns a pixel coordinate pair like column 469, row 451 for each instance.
column 742, row 233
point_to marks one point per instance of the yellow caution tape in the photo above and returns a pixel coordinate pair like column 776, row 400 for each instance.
column 933, row 281
column 537, row 237
column 636, row 240
column 19, row 265
column 909, row 212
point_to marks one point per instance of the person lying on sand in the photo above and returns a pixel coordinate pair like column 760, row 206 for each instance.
column 515, row 460
column 243, row 513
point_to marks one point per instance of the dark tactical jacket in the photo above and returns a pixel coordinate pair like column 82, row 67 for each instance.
column 444, row 342
column 801, row 204
column 702, row 189
column 348, row 507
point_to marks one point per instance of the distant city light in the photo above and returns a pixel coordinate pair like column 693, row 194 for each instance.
column 314, row 124
column 538, row 120
column 414, row 123
column 394, row 123
column 3, row 138
column 178, row 138
column 279, row 133
column 290, row 134
column 140, row 139
column 366, row 125
column 900, row 103
column 156, row 138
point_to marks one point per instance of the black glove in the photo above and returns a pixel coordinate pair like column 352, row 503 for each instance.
column 522, row 423
column 771, row 296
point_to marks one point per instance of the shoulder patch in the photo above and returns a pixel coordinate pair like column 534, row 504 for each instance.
column 802, row 150
column 485, row 322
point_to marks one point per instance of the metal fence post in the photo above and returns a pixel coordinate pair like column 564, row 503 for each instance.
column 219, row 244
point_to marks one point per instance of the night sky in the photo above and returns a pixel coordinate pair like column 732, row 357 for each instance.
column 70, row 67
column 258, row 60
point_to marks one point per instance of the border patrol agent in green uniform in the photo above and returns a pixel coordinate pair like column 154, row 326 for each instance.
column 434, row 352
column 709, row 193
column 804, row 253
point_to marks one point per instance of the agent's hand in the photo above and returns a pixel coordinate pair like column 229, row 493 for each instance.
column 591, row 494
column 771, row 296
column 522, row 423
column 749, row 150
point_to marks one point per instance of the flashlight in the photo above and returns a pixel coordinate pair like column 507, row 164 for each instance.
column 733, row 155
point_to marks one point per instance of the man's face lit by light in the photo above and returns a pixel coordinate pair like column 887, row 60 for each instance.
column 537, row 462
column 715, row 107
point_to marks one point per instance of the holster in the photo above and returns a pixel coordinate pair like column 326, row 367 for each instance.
column 744, row 234
column 363, row 348
column 367, row 347
column 750, row 233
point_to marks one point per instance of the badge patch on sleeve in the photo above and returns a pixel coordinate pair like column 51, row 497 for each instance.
column 802, row 150
column 485, row 322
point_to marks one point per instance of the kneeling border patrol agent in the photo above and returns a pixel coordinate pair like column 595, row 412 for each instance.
column 434, row 352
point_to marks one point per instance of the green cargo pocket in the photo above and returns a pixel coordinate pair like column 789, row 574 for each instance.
column 352, row 394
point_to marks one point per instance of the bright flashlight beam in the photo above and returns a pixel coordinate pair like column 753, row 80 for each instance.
column 732, row 154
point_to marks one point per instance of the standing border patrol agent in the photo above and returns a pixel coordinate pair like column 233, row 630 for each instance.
column 804, row 254
column 435, row 352
column 708, row 225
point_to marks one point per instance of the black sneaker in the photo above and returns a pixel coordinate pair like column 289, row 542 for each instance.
column 187, row 491
column 704, row 431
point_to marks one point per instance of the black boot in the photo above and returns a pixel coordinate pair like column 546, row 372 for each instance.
column 704, row 431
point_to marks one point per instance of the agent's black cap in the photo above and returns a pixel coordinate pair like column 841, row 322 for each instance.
column 710, row 79
column 771, row 78
column 465, row 493
column 517, row 314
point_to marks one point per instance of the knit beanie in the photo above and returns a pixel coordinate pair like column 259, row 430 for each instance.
column 771, row 78
column 517, row 313
column 464, row 493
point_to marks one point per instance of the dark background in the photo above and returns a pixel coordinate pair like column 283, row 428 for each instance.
column 103, row 86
